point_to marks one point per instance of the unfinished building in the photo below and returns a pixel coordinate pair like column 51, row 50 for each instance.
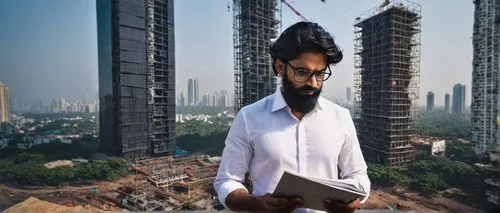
column 387, row 63
column 191, row 172
column 136, row 77
column 254, row 25
column 485, row 68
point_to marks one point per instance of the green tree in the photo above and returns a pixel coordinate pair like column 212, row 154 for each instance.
column 428, row 183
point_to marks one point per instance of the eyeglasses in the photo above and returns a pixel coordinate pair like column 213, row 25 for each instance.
column 303, row 75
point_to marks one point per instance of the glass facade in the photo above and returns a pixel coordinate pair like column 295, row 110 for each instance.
column 136, row 77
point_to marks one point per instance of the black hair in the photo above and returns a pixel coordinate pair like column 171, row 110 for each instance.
column 304, row 37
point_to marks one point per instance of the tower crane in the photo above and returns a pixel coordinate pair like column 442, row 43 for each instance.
column 296, row 11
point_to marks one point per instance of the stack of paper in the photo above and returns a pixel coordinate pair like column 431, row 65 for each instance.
column 314, row 190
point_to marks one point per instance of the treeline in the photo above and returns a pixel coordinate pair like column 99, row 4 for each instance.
column 83, row 148
column 205, row 138
column 442, row 124
column 208, row 110
column 430, row 174
column 26, row 166
column 28, row 169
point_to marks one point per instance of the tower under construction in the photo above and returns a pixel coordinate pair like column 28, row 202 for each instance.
column 387, row 63
column 136, row 77
column 254, row 24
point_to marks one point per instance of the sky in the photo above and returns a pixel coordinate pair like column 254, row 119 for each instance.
column 48, row 49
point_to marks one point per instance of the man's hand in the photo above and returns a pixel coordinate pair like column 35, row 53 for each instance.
column 241, row 200
column 332, row 205
column 268, row 203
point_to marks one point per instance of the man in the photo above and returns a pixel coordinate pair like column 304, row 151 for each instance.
column 292, row 130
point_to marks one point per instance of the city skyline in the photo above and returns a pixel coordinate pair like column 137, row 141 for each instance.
column 79, row 70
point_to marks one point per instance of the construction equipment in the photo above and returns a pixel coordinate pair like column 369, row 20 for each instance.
column 294, row 10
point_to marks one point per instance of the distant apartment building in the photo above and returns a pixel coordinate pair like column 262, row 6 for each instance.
column 348, row 94
column 4, row 103
column 447, row 103
column 193, row 92
column 458, row 101
column 430, row 101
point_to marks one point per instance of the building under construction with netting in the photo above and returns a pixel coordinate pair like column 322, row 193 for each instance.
column 136, row 78
column 387, row 63
column 255, row 24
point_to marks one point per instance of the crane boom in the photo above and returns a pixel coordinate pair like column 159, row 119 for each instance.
column 294, row 10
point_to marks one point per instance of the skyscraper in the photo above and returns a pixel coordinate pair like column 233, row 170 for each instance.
column 458, row 101
column 182, row 99
column 62, row 105
column 348, row 94
column 136, row 77
column 430, row 101
column 485, row 83
column 196, row 92
column 223, row 99
column 447, row 103
column 255, row 23
column 387, row 62
column 192, row 91
column 4, row 103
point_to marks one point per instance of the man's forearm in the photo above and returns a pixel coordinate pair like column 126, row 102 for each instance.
column 241, row 200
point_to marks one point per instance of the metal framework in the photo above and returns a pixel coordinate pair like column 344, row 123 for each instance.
column 254, row 25
column 387, row 63
column 161, row 77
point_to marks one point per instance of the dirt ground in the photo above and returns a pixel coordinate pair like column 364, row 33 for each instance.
column 385, row 198
column 404, row 200
column 33, row 204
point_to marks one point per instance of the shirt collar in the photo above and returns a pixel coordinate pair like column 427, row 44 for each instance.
column 280, row 103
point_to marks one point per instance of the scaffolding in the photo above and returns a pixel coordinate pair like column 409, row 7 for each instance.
column 254, row 25
column 161, row 77
column 387, row 64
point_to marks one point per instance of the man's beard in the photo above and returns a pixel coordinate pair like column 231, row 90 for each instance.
column 295, row 97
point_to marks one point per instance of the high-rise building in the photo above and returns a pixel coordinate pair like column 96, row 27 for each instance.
column 182, row 99
column 62, row 105
column 485, row 83
column 387, row 62
column 193, row 92
column 4, row 103
column 196, row 92
column 430, row 101
column 205, row 100
column 223, row 99
column 136, row 77
column 447, row 103
column 458, row 100
column 485, row 106
column 348, row 94
column 255, row 23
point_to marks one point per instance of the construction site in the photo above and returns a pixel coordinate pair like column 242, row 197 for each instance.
column 255, row 24
column 158, row 184
column 387, row 63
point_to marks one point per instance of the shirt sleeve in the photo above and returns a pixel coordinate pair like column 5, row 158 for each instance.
column 351, row 162
column 235, row 159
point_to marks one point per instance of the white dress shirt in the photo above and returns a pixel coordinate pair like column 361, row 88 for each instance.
column 266, row 139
